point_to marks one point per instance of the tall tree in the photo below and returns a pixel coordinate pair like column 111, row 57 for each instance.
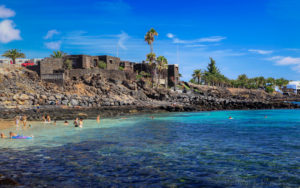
column 212, row 68
column 151, row 58
column 58, row 54
column 149, row 38
column 197, row 75
column 13, row 54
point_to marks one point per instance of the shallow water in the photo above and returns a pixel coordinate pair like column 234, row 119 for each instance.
column 206, row 149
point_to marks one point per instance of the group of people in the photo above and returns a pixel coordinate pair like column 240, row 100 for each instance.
column 11, row 135
column 77, row 122
column 22, row 119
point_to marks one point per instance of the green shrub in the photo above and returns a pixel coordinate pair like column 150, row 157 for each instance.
column 139, row 76
column 102, row 65
column 68, row 64
column 121, row 68
column 144, row 74
column 269, row 89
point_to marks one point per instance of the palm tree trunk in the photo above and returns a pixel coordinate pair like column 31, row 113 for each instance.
column 14, row 60
column 151, row 48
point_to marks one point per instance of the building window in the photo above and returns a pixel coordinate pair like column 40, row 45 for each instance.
column 110, row 61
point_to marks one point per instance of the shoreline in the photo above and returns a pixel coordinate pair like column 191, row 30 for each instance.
column 62, row 113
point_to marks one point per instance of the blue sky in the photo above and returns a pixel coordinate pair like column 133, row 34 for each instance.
column 255, row 37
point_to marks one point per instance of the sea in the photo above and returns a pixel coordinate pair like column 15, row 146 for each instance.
column 253, row 148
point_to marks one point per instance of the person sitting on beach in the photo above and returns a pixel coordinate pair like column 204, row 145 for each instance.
column 76, row 122
column 11, row 134
column 66, row 123
column 80, row 123
column 3, row 135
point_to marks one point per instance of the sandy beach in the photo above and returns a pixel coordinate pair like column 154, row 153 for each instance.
column 5, row 124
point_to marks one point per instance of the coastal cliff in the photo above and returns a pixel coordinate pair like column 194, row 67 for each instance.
column 23, row 92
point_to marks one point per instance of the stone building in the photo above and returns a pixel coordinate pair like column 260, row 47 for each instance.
column 55, row 70
column 173, row 75
column 112, row 63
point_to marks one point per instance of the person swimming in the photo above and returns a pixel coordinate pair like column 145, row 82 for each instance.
column 230, row 117
column 76, row 122
column 11, row 134
column 2, row 135
column 66, row 123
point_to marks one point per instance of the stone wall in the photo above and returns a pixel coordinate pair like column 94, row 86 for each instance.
column 112, row 63
column 49, row 65
column 108, row 74
column 57, row 78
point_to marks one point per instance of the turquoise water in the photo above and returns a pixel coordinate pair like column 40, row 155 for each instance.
column 206, row 149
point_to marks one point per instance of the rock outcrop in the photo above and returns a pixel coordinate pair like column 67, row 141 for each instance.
column 21, row 89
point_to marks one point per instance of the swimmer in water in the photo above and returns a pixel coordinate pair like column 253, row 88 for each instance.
column 54, row 122
column 266, row 116
column 230, row 117
column 66, row 123
column 76, row 122
column 11, row 134
column 3, row 135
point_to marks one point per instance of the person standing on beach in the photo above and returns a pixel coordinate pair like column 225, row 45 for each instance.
column 48, row 119
column 80, row 123
column 17, row 121
column 24, row 119
column 98, row 119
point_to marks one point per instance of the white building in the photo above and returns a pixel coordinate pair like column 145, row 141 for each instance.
column 21, row 60
column 294, row 85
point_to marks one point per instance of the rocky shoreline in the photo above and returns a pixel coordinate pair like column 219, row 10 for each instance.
column 23, row 93
column 63, row 113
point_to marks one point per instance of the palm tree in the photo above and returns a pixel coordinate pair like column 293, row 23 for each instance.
column 151, row 58
column 58, row 54
column 162, row 66
column 14, row 54
column 149, row 38
column 197, row 75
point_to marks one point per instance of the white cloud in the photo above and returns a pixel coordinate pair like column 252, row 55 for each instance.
column 6, row 12
column 122, row 38
column 294, row 62
column 53, row 45
column 200, row 40
column 8, row 32
column 262, row 52
column 170, row 35
column 51, row 33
